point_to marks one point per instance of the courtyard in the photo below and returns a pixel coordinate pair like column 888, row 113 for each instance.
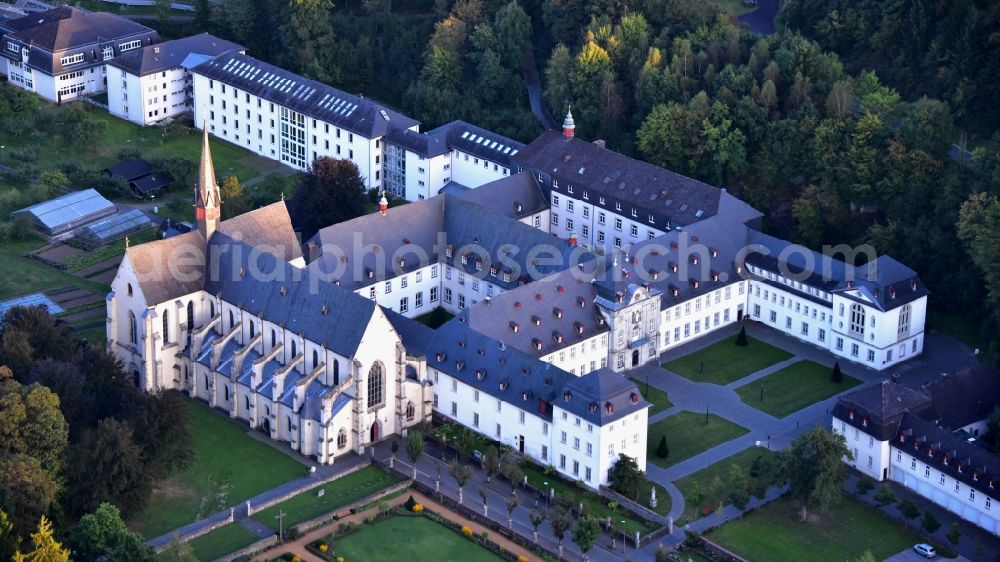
column 792, row 388
column 688, row 434
column 725, row 362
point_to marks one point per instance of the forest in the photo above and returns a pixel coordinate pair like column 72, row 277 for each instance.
column 839, row 127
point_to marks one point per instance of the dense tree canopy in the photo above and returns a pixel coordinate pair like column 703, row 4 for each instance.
column 332, row 193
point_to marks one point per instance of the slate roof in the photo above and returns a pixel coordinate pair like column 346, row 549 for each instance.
column 424, row 144
column 477, row 141
column 965, row 397
column 505, row 373
column 416, row 337
column 313, row 99
column 515, row 196
column 66, row 28
column 171, row 54
column 130, row 169
column 884, row 282
column 412, row 231
column 402, row 233
column 261, row 284
column 601, row 397
column 589, row 169
column 878, row 409
column 175, row 266
column 949, row 453
column 532, row 318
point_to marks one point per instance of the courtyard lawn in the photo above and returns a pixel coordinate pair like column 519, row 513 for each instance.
column 410, row 539
column 654, row 396
column 596, row 505
column 22, row 275
column 700, row 483
column 336, row 494
column 726, row 362
column 844, row 532
column 435, row 318
column 222, row 541
column 688, row 433
column 793, row 388
column 229, row 466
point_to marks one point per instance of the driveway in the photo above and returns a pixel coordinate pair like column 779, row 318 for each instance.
column 909, row 555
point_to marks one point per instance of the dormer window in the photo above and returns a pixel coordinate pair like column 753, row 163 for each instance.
column 506, row 276
column 536, row 320
column 480, row 374
column 567, row 396
column 714, row 252
column 503, row 385
column 579, row 327
column 515, row 327
column 695, row 283
column 581, row 302
column 558, row 337
column 440, row 356
column 635, row 398
column 479, row 265
column 537, row 344
column 465, row 259
column 609, row 407
column 459, row 365
column 525, row 395
column 493, row 270
column 449, row 250
column 73, row 59
column 109, row 53
column 557, row 312
column 715, row 276
column 673, row 267
column 592, row 407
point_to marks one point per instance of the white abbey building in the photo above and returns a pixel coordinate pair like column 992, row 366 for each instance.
column 925, row 440
column 225, row 314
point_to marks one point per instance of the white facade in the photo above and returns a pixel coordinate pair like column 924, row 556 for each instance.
column 273, row 131
column 473, row 171
column 596, row 228
column 148, row 99
column 694, row 318
column 870, row 455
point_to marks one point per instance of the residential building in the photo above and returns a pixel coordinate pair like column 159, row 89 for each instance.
column 154, row 83
column 280, row 115
column 62, row 53
column 922, row 441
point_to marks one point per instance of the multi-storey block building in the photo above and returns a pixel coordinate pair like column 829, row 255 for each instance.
column 153, row 83
column 61, row 53
column 283, row 116
column 924, row 440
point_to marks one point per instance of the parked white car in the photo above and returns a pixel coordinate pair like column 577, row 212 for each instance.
column 925, row 550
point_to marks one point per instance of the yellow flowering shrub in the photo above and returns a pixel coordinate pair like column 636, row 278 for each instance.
column 466, row 530
column 296, row 558
column 340, row 559
column 418, row 508
column 324, row 547
column 522, row 558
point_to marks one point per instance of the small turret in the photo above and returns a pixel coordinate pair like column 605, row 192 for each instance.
column 383, row 205
column 207, row 202
column 569, row 128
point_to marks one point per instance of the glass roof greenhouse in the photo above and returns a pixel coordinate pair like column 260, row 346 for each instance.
column 68, row 212
column 115, row 227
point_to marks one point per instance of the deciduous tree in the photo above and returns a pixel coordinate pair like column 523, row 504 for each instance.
column 814, row 468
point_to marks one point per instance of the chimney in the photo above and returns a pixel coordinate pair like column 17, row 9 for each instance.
column 569, row 128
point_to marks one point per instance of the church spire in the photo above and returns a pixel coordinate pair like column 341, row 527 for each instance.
column 207, row 202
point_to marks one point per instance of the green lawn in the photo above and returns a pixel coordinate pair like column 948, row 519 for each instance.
column 435, row 318
column 173, row 141
column 597, row 505
column 229, row 467
column 654, row 396
column 688, row 434
column 222, row 541
column 700, row 483
column 725, row 362
column 338, row 493
column 410, row 539
column 790, row 389
column 21, row 275
column 844, row 532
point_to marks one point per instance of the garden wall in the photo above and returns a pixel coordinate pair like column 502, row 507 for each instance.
column 306, row 526
column 256, row 547
column 251, row 509
column 204, row 526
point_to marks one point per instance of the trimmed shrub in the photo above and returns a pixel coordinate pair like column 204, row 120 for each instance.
column 741, row 338
column 885, row 496
column 662, row 451
column 930, row 523
column 837, row 375
column 954, row 535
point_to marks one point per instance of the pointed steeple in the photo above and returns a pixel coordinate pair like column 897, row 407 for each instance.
column 569, row 127
column 207, row 202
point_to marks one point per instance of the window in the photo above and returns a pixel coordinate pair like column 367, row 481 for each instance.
column 562, row 462
column 840, row 344
column 562, row 437
column 576, row 443
column 341, row 439
column 166, row 327
column 618, row 224
column 461, row 302
column 135, row 45
column 854, row 350
column 404, row 305
column 376, row 382
column 447, row 295
column 418, row 300
column 133, row 328
column 590, row 449
column 871, row 355
column 857, row 319
column 454, row 409
column 388, row 287
column 475, row 420
column 434, row 294
column 634, row 231
column 73, row 59
column 904, row 322
column 545, row 453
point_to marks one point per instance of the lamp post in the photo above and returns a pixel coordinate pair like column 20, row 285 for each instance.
column 624, row 536
column 281, row 525
column 762, row 393
column 546, row 484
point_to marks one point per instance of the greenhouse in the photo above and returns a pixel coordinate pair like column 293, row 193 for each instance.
column 61, row 216
column 114, row 228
